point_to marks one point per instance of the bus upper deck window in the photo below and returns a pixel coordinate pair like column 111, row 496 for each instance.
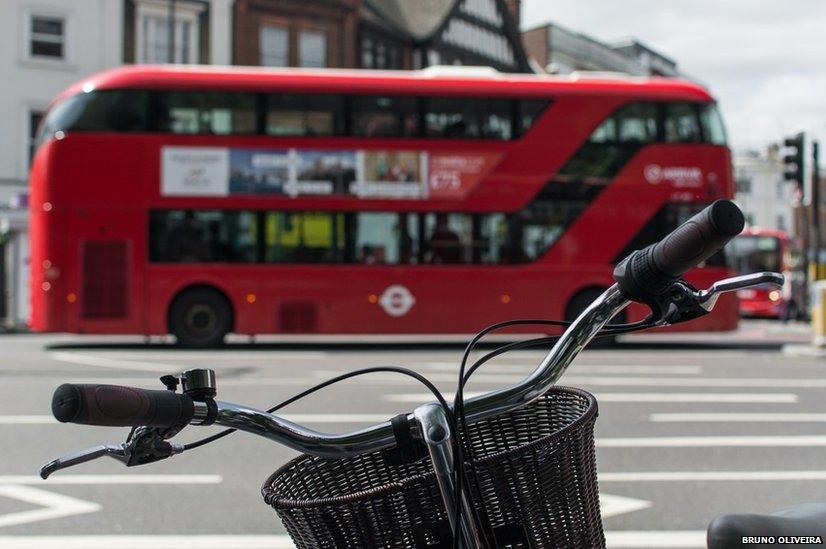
column 207, row 113
column 381, row 116
column 304, row 115
column 635, row 124
column 99, row 111
column 681, row 124
column 713, row 127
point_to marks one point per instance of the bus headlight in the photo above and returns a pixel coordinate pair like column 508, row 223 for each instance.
column 775, row 295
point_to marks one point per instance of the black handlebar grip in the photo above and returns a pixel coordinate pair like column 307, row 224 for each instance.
column 648, row 273
column 698, row 238
column 116, row 406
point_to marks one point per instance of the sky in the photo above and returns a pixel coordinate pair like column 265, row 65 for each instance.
column 764, row 61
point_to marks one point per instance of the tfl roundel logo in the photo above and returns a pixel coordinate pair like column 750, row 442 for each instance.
column 396, row 300
column 653, row 173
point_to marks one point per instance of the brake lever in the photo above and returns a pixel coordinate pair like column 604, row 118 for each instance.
column 708, row 298
column 117, row 452
column 685, row 302
column 145, row 445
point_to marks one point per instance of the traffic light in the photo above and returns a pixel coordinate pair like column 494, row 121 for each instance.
column 793, row 160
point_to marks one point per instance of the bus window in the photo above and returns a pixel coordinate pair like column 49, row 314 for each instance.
column 205, row 236
column 633, row 124
column 101, row 111
column 753, row 253
column 713, row 128
column 303, row 237
column 529, row 112
column 304, row 115
column 466, row 118
column 612, row 144
column 681, row 124
column 448, row 238
column 385, row 116
column 190, row 112
column 383, row 238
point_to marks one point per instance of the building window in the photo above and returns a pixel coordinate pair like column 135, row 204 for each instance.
column 273, row 43
column 153, row 31
column 743, row 184
column 312, row 49
column 34, row 122
column 47, row 37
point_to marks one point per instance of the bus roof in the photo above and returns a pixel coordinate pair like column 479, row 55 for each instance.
column 441, row 80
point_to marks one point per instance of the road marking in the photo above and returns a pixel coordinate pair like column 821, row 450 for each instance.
column 695, row 382
column 111, row 479
column 27, row 420
column 739, row 417
column 54, row 505
column 766, row 398
column 611, row 505
column 610, row 381
column 216, row 355
column 630, row 539
column 662, row 539
column 586, row 368
column 297, row 418
column 702, row 476
column 102, row 362
column 141, row 542
column 712, row 441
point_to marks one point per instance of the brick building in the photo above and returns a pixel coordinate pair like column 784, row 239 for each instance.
column 378, row 34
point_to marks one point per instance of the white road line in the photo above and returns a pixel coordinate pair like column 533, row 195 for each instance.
column 738, row 417
column 630, row 539
column 663, row 539
column 102, row 362
column 142, row 542
column 765, row 398
column 579, row 368
column 795, row 441
column 53, row 505
column 27, row 420
column 298, row 418
column 182, row 354
column 111, row 479
column 695, row 382
column 702, row 476
column 630, row 381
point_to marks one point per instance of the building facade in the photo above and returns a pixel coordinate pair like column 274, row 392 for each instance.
column 557, row 50
column 378, row 34
column 766, row 198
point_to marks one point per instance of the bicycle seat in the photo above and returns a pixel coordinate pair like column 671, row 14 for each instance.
column 800, row 521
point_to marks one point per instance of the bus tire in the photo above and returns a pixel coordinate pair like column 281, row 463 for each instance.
column 579, row 302
column 200, row 317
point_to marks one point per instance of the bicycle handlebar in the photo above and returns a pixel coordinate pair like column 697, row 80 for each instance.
column 658, row 265
column 117, row 406
column 650, row 271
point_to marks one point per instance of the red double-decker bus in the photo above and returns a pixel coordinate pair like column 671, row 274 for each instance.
column 759, row 249
column 200, row 201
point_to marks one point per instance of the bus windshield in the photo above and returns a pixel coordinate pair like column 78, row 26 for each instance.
column 753, row 253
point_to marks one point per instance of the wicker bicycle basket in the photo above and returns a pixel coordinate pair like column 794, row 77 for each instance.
column 537, row 487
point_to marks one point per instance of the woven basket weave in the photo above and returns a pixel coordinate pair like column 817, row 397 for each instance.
column 538, row 487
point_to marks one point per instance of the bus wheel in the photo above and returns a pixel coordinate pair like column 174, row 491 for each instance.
column 579, row 302
column 200, row 317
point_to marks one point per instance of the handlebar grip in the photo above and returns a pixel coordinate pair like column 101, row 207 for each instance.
column 650, row 272
column 698, row 238
column 117, row 406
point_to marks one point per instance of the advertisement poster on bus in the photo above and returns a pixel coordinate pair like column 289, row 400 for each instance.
column 259, row 171
column 376, row 174
column 454, row 176
column 322, row 172
column 391, row 174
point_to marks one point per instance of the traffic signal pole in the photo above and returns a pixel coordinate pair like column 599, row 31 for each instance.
column 816, row 255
